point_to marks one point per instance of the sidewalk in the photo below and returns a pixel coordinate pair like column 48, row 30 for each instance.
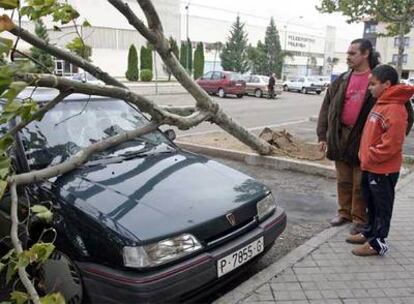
column 323, row 270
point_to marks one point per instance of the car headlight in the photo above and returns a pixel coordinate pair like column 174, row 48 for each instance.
column 265, row 207
column 161, row 252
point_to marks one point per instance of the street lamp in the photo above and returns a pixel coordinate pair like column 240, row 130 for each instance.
column 285, row 42
column 189, row 48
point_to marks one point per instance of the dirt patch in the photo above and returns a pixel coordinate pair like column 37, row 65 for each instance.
column 285, row 144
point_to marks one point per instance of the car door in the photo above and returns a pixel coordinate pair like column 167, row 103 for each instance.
column 216, row 80
column 300, row 83
column 205, row 80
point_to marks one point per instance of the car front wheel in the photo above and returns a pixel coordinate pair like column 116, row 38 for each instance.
column 221, row 93
column 285, row 88
column 304, row 91
column 239, row 95
column 318, row 92
column 258, row 93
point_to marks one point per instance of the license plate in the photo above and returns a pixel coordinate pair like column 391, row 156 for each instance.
column 239, row 257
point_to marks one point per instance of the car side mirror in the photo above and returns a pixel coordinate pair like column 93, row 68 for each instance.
column 170, row 133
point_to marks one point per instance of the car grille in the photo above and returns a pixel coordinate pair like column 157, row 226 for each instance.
column 232, row 233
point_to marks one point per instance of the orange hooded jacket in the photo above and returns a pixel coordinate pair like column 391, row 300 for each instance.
column 384, row 131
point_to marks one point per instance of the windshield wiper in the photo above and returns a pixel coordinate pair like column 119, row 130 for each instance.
column 148, row 150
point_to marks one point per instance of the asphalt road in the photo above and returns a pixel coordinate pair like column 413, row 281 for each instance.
column 250, row 111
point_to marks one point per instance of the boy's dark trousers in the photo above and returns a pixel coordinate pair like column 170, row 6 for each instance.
column 379, row 192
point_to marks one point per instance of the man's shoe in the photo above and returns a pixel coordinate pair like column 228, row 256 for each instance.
column 357, row 229
column 364, row 250
column 338, row 220
column 356, row 239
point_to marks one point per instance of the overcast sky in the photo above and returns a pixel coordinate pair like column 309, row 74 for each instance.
column 259, row 11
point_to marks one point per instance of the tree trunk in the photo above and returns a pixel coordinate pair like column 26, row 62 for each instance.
column 401, row 49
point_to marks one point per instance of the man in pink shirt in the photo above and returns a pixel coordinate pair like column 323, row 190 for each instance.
column 341, row 119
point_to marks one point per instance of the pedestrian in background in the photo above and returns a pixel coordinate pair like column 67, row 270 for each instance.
column 381, row 156
column 271, row 86
column 341, row 119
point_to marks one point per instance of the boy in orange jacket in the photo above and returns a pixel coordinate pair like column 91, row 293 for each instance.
column 381, row 157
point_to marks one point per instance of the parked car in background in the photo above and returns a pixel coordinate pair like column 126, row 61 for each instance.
column 409, row 81
column 304, row 84
column 257, row 85
column 87, row 78
column 223, row 83
column 141, row 222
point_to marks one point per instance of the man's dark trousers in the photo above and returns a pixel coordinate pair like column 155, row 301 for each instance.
column 379, row 192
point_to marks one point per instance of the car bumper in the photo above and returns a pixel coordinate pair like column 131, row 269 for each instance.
column 316, row 89
column 235, row 90
column 108, row 285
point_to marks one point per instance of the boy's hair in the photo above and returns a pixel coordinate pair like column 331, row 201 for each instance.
column 385, row 73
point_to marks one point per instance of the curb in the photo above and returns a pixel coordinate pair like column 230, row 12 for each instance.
column 248, row 287
column 281, row 163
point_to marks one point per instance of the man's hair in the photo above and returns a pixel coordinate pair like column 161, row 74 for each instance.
column 385, row 73
column 366, row 45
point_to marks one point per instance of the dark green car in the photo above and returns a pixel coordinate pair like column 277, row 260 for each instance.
column 143, row 221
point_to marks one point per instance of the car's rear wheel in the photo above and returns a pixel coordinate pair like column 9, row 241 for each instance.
column 60, row 274
column 258, row 93
column 304, row 91
column 239, row 95
column 221, row 93
column 285, row 88
column 318, row 92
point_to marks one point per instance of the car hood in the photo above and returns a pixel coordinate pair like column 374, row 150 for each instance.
column 150, row 198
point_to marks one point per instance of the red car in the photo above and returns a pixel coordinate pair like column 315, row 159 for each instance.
column 223, row 83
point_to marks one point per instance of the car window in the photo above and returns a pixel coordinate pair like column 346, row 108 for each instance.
column 256, row 79
column 236, row 76
column 265, row 79
column 207, row 76
column 217, row 76
column 74, row 125
column 301, row 79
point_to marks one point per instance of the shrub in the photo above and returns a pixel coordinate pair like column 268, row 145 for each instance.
column 146, row 75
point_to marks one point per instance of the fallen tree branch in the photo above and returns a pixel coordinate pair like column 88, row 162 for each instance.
column 158, row 113
column 79, row 158
column 14, row 234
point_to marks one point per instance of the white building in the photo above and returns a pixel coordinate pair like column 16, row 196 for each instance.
column 110, row 35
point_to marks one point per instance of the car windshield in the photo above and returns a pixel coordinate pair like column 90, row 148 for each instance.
column 74, row 125
column 264, row 79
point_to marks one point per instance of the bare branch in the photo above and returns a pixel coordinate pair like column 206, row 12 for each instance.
column 157, row 113
column 180, row 110
column 154, row 22
column 62, row 54
column 81, row 157
column 14, row 234
column 137, row 23
column 39, row 114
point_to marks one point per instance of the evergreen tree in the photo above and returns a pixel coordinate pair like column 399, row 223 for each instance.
column 175, row 51
column 146, row 58
column 273, row 49
column 234, row 54
column 258, row 59
column 199, row 60
column 190, row 56
column 183, row 55
column 47, row 61
column 132, row 74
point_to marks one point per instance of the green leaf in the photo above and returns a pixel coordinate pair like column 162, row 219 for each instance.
column 11, row 271
column 4, row 166
column 53, row 298
column 5, row 143
column 19, row 297
column 14, row 89
column 2, row 266
column 42, row 251
column 5, row 46
column 3, row 187
column 9, row 4
column 86, row 23
column 42, row 212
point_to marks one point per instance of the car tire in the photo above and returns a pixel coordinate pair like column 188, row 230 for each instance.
column 59, row 273
column 258, row 93
column 221, row 93
column 285, row 88
column 239, row 95
column 318, row 92
column 304, row 91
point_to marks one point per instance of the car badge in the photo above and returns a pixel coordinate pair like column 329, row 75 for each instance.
column 231, row 218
